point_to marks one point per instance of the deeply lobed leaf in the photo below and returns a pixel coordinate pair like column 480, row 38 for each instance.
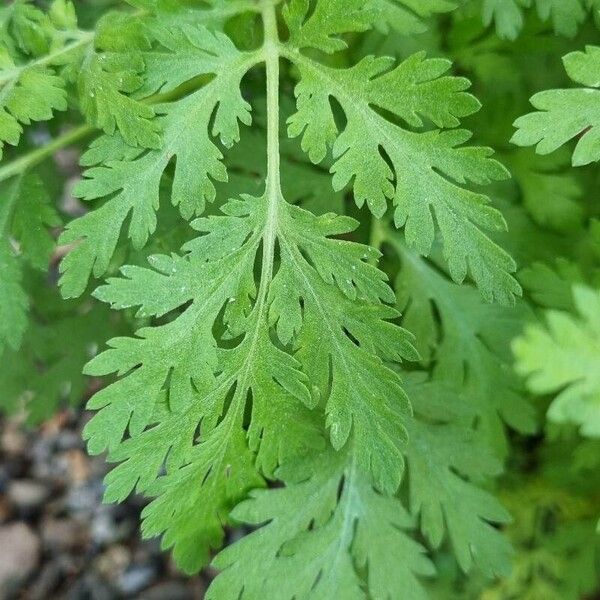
column 424, row 173
column 563, row 357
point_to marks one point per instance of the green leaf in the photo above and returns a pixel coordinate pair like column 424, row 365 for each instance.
column 219, row 472
column 507, row 16
column 549, row 191
column 45, row 374
column 566, row 114
column 425, row 171
column 130, row 178
column 322, row 28
column 25, row 28
column 467, row 342
column 27, row 93
column 265, row 381
column 320, row 533
column 563, row 357
column 32, row 216
column 351, row 333
column 442, row 458
column 212, row 13
column 552, row 286
column 33, row 45
column 406, row 17
column 13, row 299
column 565, row 15
column 180, row 364
column 556, row 543
column 105, row 80
column 24, row 213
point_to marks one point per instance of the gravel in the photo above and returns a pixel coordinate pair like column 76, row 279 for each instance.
column 58, row 541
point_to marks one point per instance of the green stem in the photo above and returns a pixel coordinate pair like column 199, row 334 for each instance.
column 377, row 237
column 273, row 196
column 35, row 157
column 6, row 211
column 273, row 183
column 84, row 38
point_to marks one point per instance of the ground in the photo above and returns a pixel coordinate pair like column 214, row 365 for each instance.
column 57, row 540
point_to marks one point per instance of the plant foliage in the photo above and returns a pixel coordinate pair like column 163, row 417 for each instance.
column 325, row 306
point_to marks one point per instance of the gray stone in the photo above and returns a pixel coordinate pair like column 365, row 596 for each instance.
column 85, row 498
column 91, row 587
column 13, row 441
column 59, row 535
column 136, row 578
column 104, row 528
column 69, row 440
column 20, row 555
column 46, row 582
column 27, row 495
column 171, row 590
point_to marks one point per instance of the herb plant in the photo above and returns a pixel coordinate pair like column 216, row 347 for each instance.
column 322, row 309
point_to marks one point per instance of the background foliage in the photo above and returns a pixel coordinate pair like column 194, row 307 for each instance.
column 490, row 486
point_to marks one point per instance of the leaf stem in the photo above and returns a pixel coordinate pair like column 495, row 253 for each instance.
column 273, row 183
column 33, row 158
column 273, row 197
column 377, row 238
column 38, row 155
column 6, row 211
column 83, row 38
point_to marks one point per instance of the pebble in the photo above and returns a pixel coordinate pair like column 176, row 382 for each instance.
column 27, row 495
column 136, row 578
column 18, row 564
column 46, row 582
column 91, row 587
column 60, row 535
column 13, row 441
column 83, row 499
column 42, row 455
column 69, row 440
column 4, row 479
column 5, row 509
column 112, row 563
column 78, row 469
column 172, row 590
column 105, row 529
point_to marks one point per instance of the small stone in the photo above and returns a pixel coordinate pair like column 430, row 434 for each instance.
column 135, row 579
column 13, row 441
column 20, row 555
column 91, row 587
column 83, row 499
column 59, row 535
column 69, row 440
column 5, row 509
column 4, row 479
column 79, row 470
column 46, row 582
column 53, row 426
column 167, row 591
column 107, row 529
column 199, row 585
column 67, row 160
column 41, row 455
column 27, row 495
column 113, row 562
